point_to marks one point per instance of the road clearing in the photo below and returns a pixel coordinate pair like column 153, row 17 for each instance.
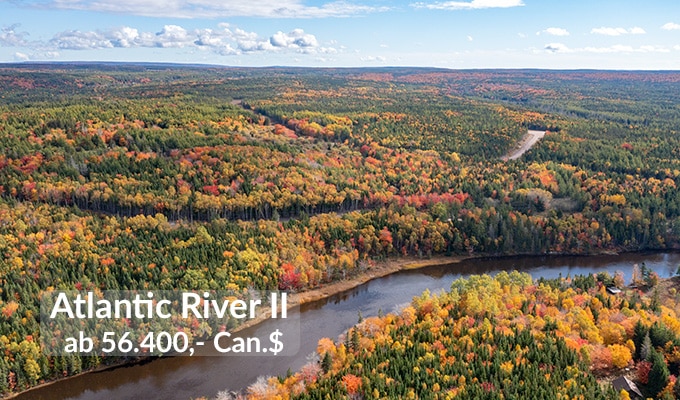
column 525, row 144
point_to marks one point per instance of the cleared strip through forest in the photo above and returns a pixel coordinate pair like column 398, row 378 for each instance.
column 525, row 144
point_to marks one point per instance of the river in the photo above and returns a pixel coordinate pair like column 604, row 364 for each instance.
column 183, row 378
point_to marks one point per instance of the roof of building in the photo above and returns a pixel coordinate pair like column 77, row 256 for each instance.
column 624, row 383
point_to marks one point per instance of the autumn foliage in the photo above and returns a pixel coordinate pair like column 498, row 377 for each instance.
column 505, row 335
column 125, row 178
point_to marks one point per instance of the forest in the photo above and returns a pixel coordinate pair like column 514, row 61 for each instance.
column 140, row 176
column 503, row 337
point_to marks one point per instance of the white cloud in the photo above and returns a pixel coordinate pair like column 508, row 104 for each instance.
column 671, row 26
column 9, row 37
column 470, row 38
column 557, row 48
column 618, row 48
column 252, row 46
column 561, row 48
column 294, row 39
column 124, row 37
column 654, row 49
column 18, row 56
column 556, row 31
column 471, row 5
column 373, row 59
column 214, row 8
column 327, row 50
column 618, row 31
column 609, row 31
column 173, row 36
column 208, row 38
column 238, row 34
column 225, row 50
column 77, row 40
column 226, row 40
column 38, row 55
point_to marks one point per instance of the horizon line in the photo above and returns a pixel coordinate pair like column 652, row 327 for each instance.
column 394, row 67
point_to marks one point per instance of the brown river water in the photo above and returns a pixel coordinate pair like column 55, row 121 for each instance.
column 184, row 378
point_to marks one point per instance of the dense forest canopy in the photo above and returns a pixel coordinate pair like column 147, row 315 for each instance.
column 502, row 337
column 120, row 176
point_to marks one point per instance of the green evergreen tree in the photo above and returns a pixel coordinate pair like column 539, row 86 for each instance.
column 659, row 375
column 646, row 349
column 326, row 363
column 639, row 334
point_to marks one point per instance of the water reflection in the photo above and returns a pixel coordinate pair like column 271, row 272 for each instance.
column 190, row 377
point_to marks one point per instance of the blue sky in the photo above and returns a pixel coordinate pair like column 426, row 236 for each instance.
column 554, row 34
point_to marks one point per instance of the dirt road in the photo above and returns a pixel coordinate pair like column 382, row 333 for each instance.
column 525, row 144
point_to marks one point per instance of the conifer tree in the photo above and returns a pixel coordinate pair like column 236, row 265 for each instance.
column 659, row 375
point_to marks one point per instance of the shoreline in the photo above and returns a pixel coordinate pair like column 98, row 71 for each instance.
column 378, row 270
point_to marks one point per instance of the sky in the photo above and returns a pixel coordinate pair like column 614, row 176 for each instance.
column 459, row 34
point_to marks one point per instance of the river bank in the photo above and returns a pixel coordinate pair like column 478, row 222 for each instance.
column 377, row 270
column 386, row 269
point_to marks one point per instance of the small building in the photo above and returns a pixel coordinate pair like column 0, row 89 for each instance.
column 613, row 290
column 629, row 386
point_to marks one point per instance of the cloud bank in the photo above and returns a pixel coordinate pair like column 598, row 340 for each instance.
column 562, row 48
column 9, row 37
column 670, row 26
column 618, row 31
column 224, row 40
column 471, row 5
column 555, row 31
column 212, row 8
